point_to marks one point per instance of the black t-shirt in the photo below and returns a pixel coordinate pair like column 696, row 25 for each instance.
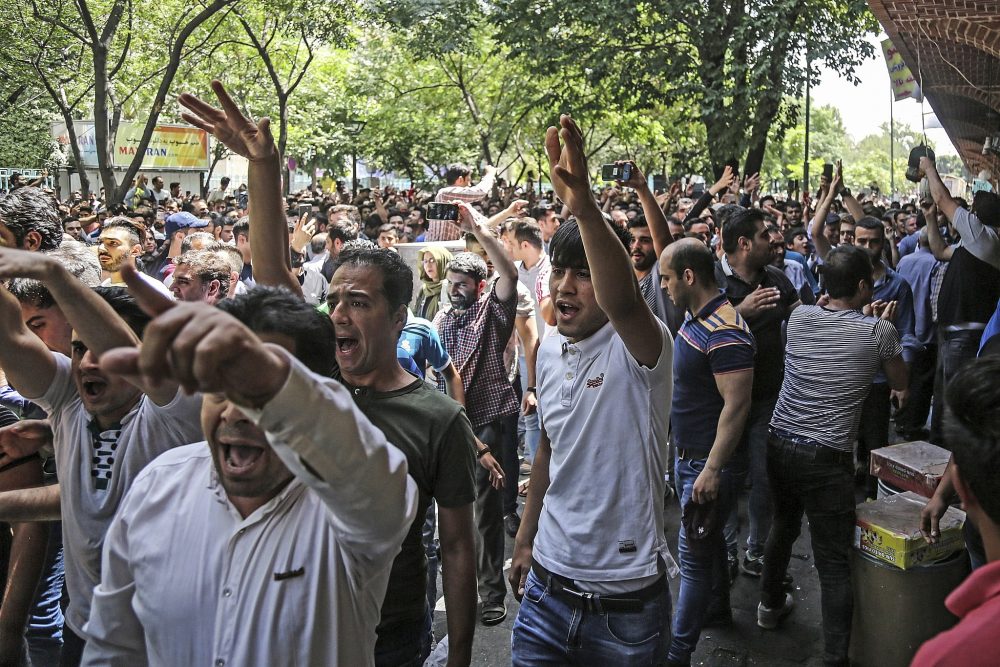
column 436, row 437
column 767, row 327
column 969, row 291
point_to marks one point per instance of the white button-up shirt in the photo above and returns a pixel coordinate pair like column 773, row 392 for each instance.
column 300, row 581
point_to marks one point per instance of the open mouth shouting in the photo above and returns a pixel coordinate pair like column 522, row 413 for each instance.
column 346, row 345
column 239, row 458
column 93, row 387
column 566, row 310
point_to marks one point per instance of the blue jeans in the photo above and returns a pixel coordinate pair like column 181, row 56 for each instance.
column 528, row 424
column 753, row 462
column 704, row 572
column 432, row 548
column 824, row 492
column 550, row 631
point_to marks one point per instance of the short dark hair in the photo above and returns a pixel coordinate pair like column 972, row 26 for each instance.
column 344, row 231
column 740, row 224
column 455, row 172
column 387, row 228
column 175, row 184
column 29, row 209
column 135, row 234
column 242, row 228
column 127, row 308
column 844, row 268
column 527, row 231
column 972, row 429
column 637, row 221
column 792, row 233
column 469, row 264
column 697, row 257
column 868, row 222
column 566, row 245
column 397, row 277
column 276, row 310
column 986, row 207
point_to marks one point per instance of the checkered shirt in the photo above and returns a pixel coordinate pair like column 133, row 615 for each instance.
column 475, row 339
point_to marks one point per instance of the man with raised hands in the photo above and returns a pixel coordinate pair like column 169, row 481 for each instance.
column 105, row 429
column 271, row 543
column 589, row 562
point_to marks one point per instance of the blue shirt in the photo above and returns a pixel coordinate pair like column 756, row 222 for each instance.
column 419, row 339
column 792, row 256
column 918, row 269
column 991, row 331
column 715, row 341
column 907, row 245
column 893, row 287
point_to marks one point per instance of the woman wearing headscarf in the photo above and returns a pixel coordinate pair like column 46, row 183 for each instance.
column 433, row 262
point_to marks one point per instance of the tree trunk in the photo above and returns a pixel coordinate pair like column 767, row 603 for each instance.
column 77, row 156
column 102, row 129
column 283, row 139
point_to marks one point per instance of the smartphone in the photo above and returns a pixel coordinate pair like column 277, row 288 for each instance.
column 441, row 211
column 828, row 171
column 620, row 172
column 305, row 209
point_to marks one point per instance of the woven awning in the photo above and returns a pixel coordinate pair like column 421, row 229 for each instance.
column 953, row 48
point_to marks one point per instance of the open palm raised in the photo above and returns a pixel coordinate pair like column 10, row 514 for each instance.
column 230, row 126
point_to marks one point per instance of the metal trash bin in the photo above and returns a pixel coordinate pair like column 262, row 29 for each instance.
column 895, row 611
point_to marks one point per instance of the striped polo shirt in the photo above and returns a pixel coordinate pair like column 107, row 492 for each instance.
column 714, row 341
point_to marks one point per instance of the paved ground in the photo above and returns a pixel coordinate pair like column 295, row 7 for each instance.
column 798, row 643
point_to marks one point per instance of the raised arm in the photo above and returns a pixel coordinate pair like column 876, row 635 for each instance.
column 506, row 284
column 945, row 202
column 941, row 250
column 611, row 274
column 655, row 218
column 727, row 180
column 92, row 318
column 269, row 235
column 26, row 361
column 822, row 244
column 361, row 477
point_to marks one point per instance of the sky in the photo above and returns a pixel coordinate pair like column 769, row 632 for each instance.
column 866, row 106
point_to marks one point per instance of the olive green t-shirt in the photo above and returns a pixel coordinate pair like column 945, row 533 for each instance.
column 437, row 439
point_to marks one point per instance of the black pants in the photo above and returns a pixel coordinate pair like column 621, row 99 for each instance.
column 914, row 414
column 824, row 492
column 72, row 650
column 507, row 458
column 873, row 432
column 489, row 524
column 955, row 348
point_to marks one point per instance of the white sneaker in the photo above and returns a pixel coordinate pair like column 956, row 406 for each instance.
column 769, row 618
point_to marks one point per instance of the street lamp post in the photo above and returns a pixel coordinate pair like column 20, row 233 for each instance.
column 354, row 128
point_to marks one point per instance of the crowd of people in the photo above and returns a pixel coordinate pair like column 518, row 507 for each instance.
column 242, row 429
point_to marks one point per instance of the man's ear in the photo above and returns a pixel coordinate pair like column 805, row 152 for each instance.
column 214, row 288
column 32, row 241
column 964, row 492
column 136, row 250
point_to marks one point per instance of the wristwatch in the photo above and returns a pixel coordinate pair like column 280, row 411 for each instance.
column 483, row 452
column 531, row 389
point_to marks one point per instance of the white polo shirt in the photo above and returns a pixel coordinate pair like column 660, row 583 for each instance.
column 606, row 417
column 95, row 474
column 300, row 581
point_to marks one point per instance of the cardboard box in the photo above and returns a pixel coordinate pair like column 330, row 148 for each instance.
column 889, row 530
column 911, row 466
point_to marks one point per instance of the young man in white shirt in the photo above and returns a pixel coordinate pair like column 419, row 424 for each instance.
column 272, row 544
column 105, row 429
column 589, row 558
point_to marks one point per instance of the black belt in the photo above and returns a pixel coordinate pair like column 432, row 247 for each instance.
column 813, row 451
column 565, row 589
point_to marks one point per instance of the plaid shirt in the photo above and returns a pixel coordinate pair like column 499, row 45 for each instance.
column 476, row 339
